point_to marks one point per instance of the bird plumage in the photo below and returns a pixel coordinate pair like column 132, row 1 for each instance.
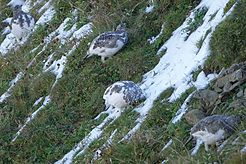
column 214, row 128
column 109, row 43
column 123, row 93
column 22, row 23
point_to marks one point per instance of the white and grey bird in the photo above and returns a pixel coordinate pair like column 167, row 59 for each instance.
column 214, row 128
column 109, row 43
column 123, row 93
column 22, row 23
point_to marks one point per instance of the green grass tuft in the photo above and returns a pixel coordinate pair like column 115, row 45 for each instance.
column 228, row 44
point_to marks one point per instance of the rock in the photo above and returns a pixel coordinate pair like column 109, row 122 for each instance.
column 245, row 92
column 237, row 76
column 217, row 89
column 193, row 116
column 236, row 85
column 220, row 82
column 237, row 104
column 232, row 69
column 207, row 98
column 240, row 94
column 230, row 78
column 227, row 87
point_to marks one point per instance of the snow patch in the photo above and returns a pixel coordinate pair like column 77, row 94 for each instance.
column 82, row 32
column 46, row 17
column 12, row 84
column 105, row 146
column 7, row 21
column 182, row 57
column 38, row 101
column 182, row 110
column 30, row 118
column 48, row 62
column 8, row 44
column 169, row 143
column 149, row 9
column 6, row 31
column 153, row 39
column 59, row 33
column 220, row 148
column 46, row 6
column 80, row 148
column 57, row 68
column 203, row 80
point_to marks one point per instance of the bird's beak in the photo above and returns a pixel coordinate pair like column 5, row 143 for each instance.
column 106, row 106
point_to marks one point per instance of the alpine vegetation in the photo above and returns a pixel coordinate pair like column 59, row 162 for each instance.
column 141, row 105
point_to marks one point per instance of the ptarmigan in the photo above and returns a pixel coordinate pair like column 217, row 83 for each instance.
column 214, row 128
column 123, row 93
column 22, row 23
column 109, row 43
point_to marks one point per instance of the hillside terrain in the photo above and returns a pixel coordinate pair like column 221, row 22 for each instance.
column 189, row 58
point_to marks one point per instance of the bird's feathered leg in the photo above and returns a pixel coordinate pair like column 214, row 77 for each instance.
column 196, row 148
column 206, row 146
column 103, row 59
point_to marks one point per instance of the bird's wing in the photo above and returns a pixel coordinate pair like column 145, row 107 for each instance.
column 108, row 40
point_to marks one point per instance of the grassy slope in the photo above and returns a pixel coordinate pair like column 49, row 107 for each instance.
column 146, row 146
column 77, row 98
column 75, row 102
column 228, row 41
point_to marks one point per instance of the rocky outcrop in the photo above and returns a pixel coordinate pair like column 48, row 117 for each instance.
column 194, row 116
column 207, row 99
column 230, row 84
column 230, row 78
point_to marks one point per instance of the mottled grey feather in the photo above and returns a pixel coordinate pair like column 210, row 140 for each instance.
column 108, row 39
column 131, row 91
column 213, row 123
column 20, row 17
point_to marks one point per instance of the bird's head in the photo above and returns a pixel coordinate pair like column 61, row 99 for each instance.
column 18, row 8
column 16, row 4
